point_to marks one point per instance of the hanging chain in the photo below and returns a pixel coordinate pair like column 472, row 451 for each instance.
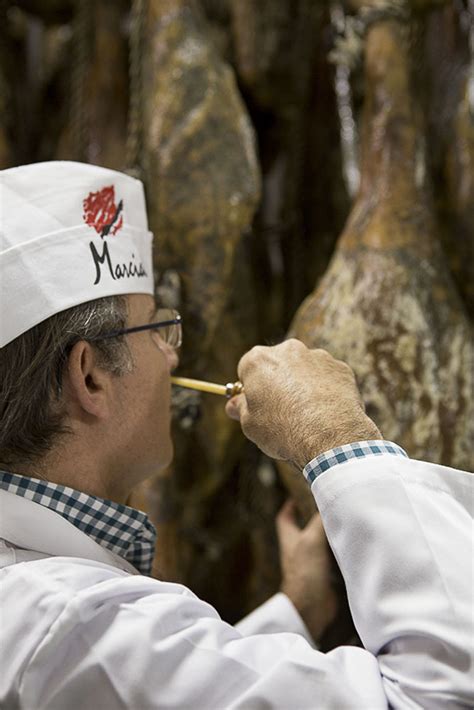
column 82, row 32
column 134, row 157
column 470, row 23
column 349, row 45
column 347, row 123
column 5, row 100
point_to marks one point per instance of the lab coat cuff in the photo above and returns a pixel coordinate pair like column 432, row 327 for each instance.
column 342, row 454
column 275, row 615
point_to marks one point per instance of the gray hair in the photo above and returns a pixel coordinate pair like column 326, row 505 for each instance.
column 32, row 415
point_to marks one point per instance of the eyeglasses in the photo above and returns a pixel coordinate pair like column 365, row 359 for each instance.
column 167, row 327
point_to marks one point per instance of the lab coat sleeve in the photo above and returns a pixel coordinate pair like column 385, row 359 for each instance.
column 401, row 531
column 276, row 614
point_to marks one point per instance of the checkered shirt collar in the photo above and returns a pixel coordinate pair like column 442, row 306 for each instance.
column 123, row 530
column 340, row 454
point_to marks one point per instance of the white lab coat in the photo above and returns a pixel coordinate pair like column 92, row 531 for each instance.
column 80, row 629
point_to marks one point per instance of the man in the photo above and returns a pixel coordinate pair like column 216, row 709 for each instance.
column 85, row 395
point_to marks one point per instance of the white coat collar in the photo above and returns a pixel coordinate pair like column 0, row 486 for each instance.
column 31, row 526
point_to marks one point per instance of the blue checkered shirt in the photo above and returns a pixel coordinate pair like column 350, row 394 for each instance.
column 123, row 530
column 128, row 532
column 340, row 454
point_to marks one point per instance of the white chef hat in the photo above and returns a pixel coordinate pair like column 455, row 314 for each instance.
column 69, row 233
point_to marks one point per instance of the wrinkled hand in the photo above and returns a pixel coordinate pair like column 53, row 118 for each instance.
column 298, row 402
column 305, row 566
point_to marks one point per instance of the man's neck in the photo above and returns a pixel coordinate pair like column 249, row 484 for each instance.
column 67, row 469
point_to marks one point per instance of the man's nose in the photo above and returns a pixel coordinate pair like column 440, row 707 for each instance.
column 171, row 355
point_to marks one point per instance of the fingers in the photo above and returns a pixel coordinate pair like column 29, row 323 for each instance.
column 297, row 402
column 236, row 407
column 266, row 354
column 288, row 528
column 248, row 360
column 287, row 513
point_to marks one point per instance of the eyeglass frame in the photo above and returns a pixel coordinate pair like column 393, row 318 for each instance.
column 177, row 320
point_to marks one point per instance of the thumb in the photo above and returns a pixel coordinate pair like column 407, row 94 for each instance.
column 287, row 528
column 236, row 407
column 314, row 530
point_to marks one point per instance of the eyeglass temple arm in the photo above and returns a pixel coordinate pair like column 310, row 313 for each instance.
column 138, row 328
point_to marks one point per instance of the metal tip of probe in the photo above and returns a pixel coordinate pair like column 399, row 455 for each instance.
column 229, row 390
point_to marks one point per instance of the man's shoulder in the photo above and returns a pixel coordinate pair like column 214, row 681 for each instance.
column 67, row 576
column 67, row 592
column 76, row 587
column 61, row 607
column 53, row 580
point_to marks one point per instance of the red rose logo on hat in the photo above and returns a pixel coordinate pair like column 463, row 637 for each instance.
column 101, row 212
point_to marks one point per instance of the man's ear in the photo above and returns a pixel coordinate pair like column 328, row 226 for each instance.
column 87, row 385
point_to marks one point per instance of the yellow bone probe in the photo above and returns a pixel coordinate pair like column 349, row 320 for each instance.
column 229, row 390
